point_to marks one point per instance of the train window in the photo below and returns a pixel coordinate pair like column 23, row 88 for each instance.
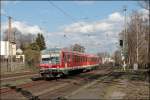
column 83, row 59
column 68, row 58
column 73, row 58
column 79, row 59
column 45, row 60
column 65, row 58
column 76, row 59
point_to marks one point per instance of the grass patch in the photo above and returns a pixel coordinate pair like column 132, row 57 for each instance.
column 16, row 82
column 141, row 74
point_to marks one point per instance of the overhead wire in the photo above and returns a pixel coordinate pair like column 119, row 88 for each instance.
column 62, row 11
column 69, row 16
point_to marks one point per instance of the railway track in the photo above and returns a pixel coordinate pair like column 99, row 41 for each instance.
column 18, row 77
column 54, row 88
column 17, row 74
column 74, row 87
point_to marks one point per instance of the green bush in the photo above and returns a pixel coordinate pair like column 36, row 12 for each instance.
column 32, row 57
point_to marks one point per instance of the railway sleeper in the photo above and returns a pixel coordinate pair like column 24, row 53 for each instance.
column 25, row 93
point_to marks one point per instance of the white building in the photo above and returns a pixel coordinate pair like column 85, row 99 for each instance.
column 107, row 60
column 19, row 55
column 7, row 48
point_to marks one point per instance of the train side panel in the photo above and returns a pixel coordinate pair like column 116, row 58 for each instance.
column 71, row 61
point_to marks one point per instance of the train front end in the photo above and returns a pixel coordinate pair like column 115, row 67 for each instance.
column 50, row 65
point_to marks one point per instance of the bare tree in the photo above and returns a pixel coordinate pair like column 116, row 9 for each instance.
column 77, row 47
column 117, row 57
column 137, row 32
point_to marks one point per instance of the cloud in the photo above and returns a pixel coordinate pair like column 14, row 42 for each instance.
column 115, row 17
column 100, row 35
column 145, row 13
column 96, row 36
column 82, row 27
column 79, row 27
column 23, row 27
column 97, row 26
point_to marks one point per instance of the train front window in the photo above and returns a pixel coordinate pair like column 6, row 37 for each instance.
column 45, row 60
column 54, row 60
column 51, row 60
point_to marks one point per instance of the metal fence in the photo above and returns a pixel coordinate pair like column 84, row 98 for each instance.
column 7, row 65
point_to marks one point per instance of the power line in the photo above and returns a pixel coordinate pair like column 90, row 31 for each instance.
column 68, row 15
column 62, row 11
column 65, row 13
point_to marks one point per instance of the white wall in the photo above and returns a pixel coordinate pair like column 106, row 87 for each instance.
column 4, row 45
column 107, row 60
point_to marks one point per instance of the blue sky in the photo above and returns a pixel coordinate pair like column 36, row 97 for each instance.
column 42, row 16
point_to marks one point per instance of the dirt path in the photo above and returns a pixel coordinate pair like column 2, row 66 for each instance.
column 114, row 87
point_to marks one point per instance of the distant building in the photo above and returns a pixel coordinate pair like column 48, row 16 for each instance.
column 7, row 48
column 106, row 60
column 20, row 57
column 19, row 51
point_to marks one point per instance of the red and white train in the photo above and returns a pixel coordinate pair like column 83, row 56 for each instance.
column 64, row 62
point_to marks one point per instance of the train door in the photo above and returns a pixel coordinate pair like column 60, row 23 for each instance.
column 65, row 60
column 69, row 60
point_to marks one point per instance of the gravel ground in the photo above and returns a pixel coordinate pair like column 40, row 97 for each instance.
column 103, row 83
column 120, row 87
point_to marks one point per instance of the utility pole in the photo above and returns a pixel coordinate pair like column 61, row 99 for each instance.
column 125, row 40
column 137, row 35
column 9, row 43
column 149, row 45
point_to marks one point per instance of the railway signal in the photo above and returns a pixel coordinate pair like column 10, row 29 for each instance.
column 121, row 43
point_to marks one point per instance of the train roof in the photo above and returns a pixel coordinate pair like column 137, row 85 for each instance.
column 47, row 51
column 80, row 53
column 56, row 50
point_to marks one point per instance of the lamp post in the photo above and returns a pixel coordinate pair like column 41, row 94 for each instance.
column 124, row 57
